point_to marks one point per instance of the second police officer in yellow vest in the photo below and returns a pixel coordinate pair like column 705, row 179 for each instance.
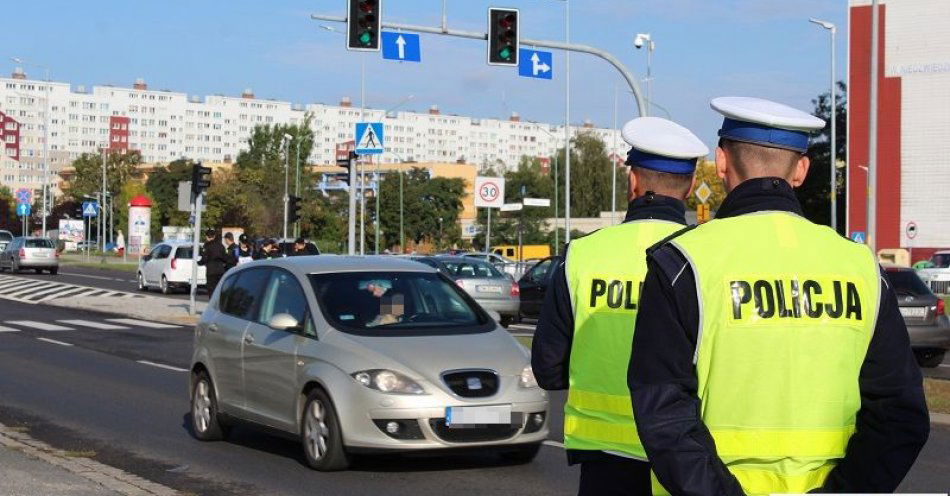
column 582, row 341
column 769, row 353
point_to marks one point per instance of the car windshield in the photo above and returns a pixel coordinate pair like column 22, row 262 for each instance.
column 907, row 283
column 37, row 243
column 396, row 303
column 472, row 269
column 941, row 260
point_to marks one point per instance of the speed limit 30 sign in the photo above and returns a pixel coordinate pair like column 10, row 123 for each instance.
column 489, row 192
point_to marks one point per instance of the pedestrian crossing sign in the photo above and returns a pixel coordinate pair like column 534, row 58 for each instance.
column 369, row 138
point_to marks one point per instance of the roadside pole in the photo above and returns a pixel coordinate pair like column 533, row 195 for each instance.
column 195, row 250
column 488, row 234
column 351, row 227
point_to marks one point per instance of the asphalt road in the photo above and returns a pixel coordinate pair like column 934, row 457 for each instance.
column 122, row 392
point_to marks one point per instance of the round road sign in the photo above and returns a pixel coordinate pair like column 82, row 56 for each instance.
column 911, row 230
column 489, row 192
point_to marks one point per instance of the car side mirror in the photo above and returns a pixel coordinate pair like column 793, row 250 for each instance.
column 283, row 322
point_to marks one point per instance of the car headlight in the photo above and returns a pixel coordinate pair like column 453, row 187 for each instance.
column 387, row 381
column 527, row 379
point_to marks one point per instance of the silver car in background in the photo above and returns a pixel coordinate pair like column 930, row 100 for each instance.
column 361, row 355
column 5, row 238
column 492, row 289
column 30, row 252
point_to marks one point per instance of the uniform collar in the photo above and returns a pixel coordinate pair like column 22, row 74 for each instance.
column 760, row 194
column 656, row 207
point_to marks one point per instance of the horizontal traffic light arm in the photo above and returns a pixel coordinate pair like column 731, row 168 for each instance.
column 557, row 45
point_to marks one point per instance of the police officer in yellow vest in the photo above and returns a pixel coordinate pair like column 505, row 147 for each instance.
column 770, row 355
column 582, row 341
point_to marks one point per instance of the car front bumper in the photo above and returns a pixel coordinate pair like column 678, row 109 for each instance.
column 364, row 416
column 931, row 336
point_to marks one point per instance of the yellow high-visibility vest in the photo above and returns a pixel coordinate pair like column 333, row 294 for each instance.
column 787, row 311
column 605, row 271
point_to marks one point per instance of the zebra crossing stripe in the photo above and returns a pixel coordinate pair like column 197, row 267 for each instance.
column 92, row 324
column 8, row 329
column 53, row 341
column 12, row 288
column 143, row 323
column 71, row 291
column 43, row 326
column 33, row 289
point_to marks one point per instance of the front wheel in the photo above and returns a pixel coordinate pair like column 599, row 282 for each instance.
column 321, row 435
column 930, row 359
column 204, row 410
column 141, row 282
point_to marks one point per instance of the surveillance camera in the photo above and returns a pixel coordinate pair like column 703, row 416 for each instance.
column 638, row 42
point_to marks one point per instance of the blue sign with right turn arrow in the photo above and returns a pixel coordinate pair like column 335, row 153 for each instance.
column 535, row 64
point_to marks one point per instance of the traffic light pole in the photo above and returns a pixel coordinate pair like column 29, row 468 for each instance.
column 195, row 251
column 351, row 228
column 557, row 45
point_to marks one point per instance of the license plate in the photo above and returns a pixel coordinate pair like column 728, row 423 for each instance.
column 468, row 416
column 488, row 289
column 914, row 312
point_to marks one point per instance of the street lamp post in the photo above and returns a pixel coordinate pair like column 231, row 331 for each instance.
column 46, row 121
column 287, row 139
column 832, row 29
column 639, row 41
column 297, row 180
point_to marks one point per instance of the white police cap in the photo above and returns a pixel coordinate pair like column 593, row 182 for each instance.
column 662, row 145
column 764, row 122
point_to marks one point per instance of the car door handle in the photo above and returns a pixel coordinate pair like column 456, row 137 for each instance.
column 248, row 338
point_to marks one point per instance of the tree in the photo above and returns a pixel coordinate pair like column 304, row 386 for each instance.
column 120, row 167
column 527, row 181
column 591, row 175
column 706, row 172
column 425, row 201
column 162, row 187
column 8, row 218
column 814, row 194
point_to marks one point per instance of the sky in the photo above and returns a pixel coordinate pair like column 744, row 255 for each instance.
column 704, row 49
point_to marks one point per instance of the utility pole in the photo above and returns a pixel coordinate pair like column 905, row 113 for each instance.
column 567, row 124
column 297, row 184
column 872, row 136
column 402, row 231
column 102, row 210
column 613, row 167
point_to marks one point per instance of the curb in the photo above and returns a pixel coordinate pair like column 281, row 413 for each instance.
column 940, row 418
column 87, row 303
column 109, row 477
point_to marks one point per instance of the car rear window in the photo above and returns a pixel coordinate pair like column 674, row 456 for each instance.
column 397, row 304
column 38, row 243
column 941, row 260
column 6, row 236
column 473, row 269
column 907, row 283
column 184, row 252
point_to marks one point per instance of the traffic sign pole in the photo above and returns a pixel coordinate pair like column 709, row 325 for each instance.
column 195, row 250
column 488, row 234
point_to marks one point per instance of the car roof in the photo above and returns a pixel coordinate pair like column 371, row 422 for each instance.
column 942, row 252
column 343, row 263
column 177, row 242
column 455, row 258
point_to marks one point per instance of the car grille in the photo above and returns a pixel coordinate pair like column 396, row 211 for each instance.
column 940, row 287
column 471, row 383
column 472, row 434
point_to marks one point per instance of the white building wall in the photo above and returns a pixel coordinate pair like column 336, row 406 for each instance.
column 916, row 51
column 167, row 125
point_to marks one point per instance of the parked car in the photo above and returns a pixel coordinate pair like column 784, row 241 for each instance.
column 286, row 247
column 924, row 313
column 937, row 272
column 168, row 267
column 361, row 354
column 5, row 238
column 534, row 285
column 511, row 267
column 491, row 288
column 30, row 252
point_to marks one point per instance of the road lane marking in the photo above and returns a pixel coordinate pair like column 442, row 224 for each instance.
column 8, row 329
column 548, row 442
column 162, row 366
column 18, row 286
column 92, row 324
column 53, row 341
column 32, row 290
column 85, row 275
column 43, row 326
column 143, row 323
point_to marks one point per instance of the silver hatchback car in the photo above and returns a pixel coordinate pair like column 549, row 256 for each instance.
column 360, row 355
column 27, row 252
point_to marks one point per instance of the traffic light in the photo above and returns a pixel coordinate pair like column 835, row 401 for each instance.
column 363, row 25
column 503, row 38
column 293, row 209
column 77, row 210
column 200, row 178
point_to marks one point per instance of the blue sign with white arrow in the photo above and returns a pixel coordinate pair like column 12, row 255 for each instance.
column 858, row 236
column 403, row 47
column 369, row 138
column 535, row 64
column 23, row 209
column 90, row 209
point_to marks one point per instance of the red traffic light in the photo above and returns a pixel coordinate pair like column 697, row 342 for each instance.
column 368, row 6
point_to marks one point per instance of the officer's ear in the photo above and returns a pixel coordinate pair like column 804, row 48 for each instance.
column 631, row 184
column 800, row 171
column 722, row 163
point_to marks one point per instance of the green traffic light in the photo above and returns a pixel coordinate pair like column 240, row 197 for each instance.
column 505, row 53
column 366, row 37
